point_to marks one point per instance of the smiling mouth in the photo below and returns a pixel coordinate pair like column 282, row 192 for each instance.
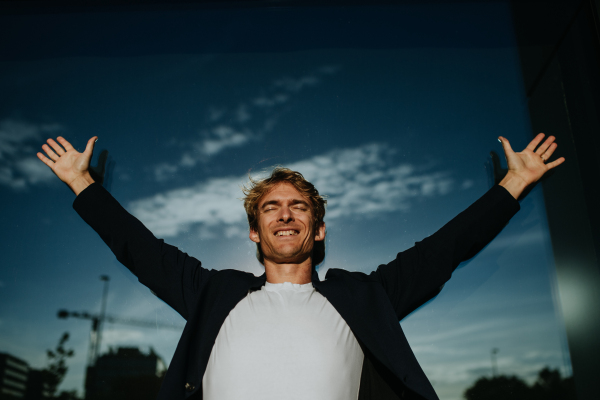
column 291, row 232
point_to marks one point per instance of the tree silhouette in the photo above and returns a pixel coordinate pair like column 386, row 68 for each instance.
column 548, row 386
column 57, row 368
column 551, row 386
column 498, row 388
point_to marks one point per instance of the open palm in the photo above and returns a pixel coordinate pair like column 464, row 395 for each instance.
column 531, row 163
column 66, row 162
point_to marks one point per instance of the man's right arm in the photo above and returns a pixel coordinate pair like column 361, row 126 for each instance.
column 174, row 276
column 171, row 274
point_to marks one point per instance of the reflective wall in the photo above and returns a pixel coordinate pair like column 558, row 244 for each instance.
column 391, row 111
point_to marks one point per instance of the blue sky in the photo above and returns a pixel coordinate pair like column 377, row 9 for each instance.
column 397, row 136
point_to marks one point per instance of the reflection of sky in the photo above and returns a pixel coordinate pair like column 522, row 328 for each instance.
column 396, row 137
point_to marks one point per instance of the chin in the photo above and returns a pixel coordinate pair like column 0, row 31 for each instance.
column 288, row 257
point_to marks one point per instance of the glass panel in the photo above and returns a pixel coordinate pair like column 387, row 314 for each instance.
column 390, row 111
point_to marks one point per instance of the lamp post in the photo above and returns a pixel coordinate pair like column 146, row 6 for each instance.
column 493, row 353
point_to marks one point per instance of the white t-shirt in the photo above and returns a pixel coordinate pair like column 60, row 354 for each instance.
column 284, row 342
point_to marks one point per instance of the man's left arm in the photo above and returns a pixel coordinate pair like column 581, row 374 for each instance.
column 417, row 274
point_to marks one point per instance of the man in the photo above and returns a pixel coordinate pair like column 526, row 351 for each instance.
column 285, row 334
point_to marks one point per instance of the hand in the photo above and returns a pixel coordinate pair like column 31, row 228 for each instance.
column 528, row 166
column 71, row 166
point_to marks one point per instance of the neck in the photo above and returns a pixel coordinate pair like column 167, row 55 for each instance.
column 300, row 273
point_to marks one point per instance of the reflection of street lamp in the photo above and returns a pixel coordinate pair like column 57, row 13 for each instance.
column 494, row 365
column 105, row 279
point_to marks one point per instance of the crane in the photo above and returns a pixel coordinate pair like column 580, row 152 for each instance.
column 99, row 319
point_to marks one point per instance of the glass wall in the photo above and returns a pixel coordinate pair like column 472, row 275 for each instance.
column 391, row 111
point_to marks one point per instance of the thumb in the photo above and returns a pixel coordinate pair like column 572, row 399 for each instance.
column 89, row 148
column 506, row 146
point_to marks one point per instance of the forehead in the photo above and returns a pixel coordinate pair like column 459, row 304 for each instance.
column 282, row 192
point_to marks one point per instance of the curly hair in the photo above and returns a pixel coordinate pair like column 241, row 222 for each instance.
column 256, row 189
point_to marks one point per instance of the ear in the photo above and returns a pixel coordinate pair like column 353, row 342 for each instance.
column 254, row 236
column 320, row 235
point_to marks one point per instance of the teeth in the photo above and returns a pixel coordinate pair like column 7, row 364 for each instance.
column 286, row 233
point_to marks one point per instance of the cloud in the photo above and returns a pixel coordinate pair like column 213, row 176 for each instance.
column 221, row 137
column 213, row 204
column 264, row 101
column 248, row 121
column 363, row 181
column 359, row 182
column 215, row 114
column 165, row 171
column 296, row 84
column 112, row 336
column 19, row 142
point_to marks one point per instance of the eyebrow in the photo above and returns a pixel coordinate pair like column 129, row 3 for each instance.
column 276, row 202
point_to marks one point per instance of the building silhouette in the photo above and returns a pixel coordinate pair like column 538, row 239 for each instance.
column 19, row 381
column 13, row 377
column 125, row 373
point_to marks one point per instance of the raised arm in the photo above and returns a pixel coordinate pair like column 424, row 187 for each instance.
column 170, row 273
column 417, row 274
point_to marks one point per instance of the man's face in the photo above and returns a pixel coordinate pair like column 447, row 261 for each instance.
column 286, row 231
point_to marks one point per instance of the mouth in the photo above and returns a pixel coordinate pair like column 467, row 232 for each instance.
column 289, row 232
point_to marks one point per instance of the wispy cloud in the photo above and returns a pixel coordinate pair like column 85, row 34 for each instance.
column 19, row 141
column 221, row 137
column 362, row 181
column 295, row 85
column 240, row 124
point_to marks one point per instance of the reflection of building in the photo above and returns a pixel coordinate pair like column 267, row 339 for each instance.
column 13, row 377
column 18, row 381
column 36, row 387
column 126, row 373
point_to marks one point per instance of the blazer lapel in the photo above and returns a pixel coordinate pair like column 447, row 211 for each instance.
column 364, row 306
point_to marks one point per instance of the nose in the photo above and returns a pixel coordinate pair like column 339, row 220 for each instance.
column 285, row 214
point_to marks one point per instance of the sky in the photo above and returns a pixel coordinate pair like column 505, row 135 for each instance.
column 395, row 128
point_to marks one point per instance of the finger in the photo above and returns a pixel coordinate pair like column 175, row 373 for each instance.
column 89, row 148
column 549, row 152
column 50, row 153
column 555, row 163
column 544, row 146
column 506, row 145
column 65, row 143
column 55, row 146
column 535, row 142
column 45, row 160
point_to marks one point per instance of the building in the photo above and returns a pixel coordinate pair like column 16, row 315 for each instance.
column 37, row 388
column 126, row 373
column 13, row 377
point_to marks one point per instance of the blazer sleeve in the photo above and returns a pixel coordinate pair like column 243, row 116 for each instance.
column 418, row 274
column 171, row 274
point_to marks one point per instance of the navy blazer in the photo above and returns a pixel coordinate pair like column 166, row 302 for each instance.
column 371, row 304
